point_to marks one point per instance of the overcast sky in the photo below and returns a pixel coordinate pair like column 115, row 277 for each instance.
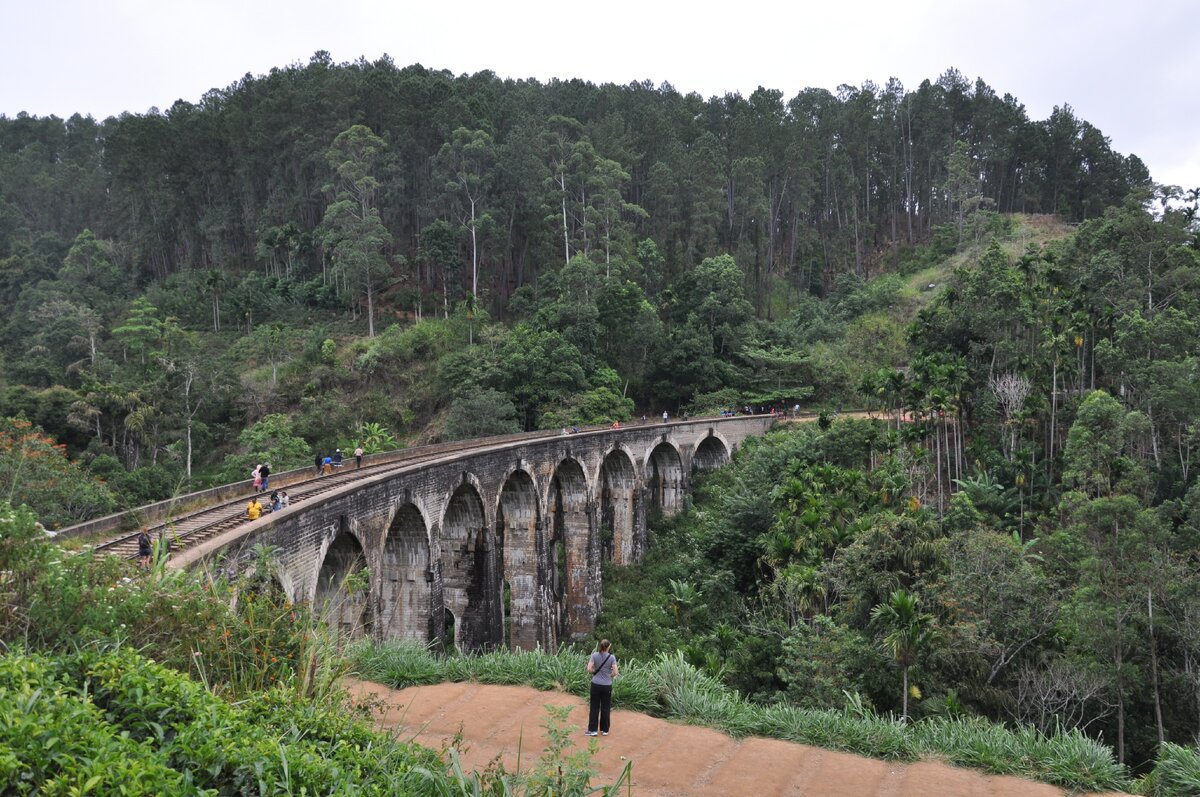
column 1130, row 68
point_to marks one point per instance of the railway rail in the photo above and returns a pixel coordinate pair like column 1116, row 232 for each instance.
column 191, row 528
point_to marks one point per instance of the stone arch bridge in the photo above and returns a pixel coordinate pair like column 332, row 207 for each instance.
column 499, row 545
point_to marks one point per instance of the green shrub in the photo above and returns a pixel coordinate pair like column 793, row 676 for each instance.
column 1175, row 774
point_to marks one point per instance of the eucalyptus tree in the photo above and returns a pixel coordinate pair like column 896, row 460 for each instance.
column 466, row 164
column 353, row 229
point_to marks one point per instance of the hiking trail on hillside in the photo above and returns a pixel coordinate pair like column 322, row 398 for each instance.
column 669, row 759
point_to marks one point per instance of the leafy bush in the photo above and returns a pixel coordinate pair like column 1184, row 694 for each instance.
column 34, row 470
column 270, row 440
column 1175, row 774
column 482, row 413
column 111, row 720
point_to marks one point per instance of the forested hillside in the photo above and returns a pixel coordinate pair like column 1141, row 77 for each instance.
column 342, row 254
column 332, row 254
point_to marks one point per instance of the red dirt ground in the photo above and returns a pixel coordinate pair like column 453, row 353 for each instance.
column 669, row 760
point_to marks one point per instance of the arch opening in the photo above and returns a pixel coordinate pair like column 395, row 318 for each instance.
column 617, row 491
column 405, row 577
column 517, row 520
column 710, row 454
column 470, row 588
column 666, row 479
column 342, row 590
column 572, row 531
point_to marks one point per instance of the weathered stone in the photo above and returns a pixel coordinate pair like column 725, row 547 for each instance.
column 496, row 546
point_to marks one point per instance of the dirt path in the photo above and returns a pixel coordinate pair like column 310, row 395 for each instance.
column 669, row 760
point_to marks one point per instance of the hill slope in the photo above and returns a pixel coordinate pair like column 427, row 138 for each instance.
column 668, row 760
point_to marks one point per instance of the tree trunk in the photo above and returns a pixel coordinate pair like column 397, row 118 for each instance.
column 370, row 309
column 474, row 254
column 562, row 181
column 1158, row 718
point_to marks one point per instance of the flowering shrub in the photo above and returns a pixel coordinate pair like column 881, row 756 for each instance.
column 35, row 470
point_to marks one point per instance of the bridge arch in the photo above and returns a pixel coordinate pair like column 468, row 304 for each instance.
column 664, row 478
column 711, row 453
column 470, row 588
column 518, row 536
column 338, row 599
column 618, row 506
column 571, row 545
column 406, row 576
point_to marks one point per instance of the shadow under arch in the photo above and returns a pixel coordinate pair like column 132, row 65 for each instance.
column 570, row 544
column 664, row 469
column 340, row 599
column 711, row 453
column 406, row 578
column 470, row 583
column 618, row 490
column 517, row 537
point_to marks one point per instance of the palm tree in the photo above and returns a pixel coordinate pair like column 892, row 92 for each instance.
column 908, row 630
column 684, row 598
column 215, row 282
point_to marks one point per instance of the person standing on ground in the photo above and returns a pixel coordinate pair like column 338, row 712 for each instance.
column 265, row 473
column 145, row 548
column 602, row 666
column 358, row 454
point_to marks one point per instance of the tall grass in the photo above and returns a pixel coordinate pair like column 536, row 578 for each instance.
column 669, row 687
column 1177, row 772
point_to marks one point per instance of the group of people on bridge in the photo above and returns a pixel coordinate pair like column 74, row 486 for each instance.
column 255, row 510
column 330, row 462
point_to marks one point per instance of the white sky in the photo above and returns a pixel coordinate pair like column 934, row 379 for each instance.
column 1129, row 67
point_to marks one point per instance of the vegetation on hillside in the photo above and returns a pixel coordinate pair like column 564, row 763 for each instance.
column 117, row 681
column 361, row 244
column 334, row 255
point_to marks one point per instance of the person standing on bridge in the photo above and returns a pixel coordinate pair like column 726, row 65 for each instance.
column 265, row 473
column 254, row 509
column 664, row 416
column 358, row 455
column 256, row 475
column 317, row 462
column 602, row 666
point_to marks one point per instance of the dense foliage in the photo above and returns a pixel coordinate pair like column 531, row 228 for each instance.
column 232, row 690
column 175, row 277
column 812, row 567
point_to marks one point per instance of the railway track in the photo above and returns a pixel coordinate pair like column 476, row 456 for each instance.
column 190, row 529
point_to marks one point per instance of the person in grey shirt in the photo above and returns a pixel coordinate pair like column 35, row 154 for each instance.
column 602, row 666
